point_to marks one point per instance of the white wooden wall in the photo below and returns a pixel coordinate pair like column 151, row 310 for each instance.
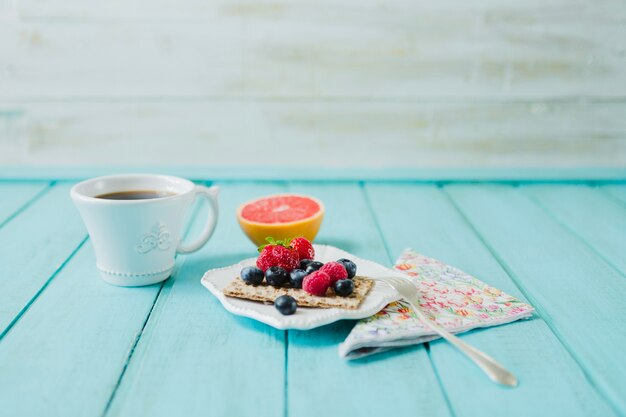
column 411, row 83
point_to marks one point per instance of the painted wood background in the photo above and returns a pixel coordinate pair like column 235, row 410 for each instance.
column 358, row 83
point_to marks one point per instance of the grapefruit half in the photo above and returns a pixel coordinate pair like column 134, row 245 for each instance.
column 280, row 216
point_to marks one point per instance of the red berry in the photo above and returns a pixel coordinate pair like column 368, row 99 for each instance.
column 316, row 283
column 277, row 255
column 303, row 247
column 335, row 271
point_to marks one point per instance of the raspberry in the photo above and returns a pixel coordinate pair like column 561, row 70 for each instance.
column 335, row 271
column 316, row 283
column 303, row 247
column 277, row 255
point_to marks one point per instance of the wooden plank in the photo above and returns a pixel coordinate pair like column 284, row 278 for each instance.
column 398, row 383
column 8, row 10
column 588, row 212
column 74, row 339
column 264, row 174
column 37, row 243
column 321, row 11
column 576, row 292
column 418, row 134
column 295, row 49
column 616, row 191
column 202, row 357
column 65, row 355
column 16, row 196
column 423, row 218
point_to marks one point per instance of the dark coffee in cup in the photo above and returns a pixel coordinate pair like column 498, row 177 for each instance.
column 135, row 195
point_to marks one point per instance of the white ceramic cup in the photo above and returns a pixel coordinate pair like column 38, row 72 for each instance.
column 135, row 241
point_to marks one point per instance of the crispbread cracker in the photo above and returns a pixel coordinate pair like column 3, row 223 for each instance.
column 267, row 294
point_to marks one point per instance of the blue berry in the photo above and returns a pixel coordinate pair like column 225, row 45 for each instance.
column 349, row 265
column 296, row 277
column 305, row 262
column 276, row 276
column 344, row 287
column 286, row 305
column 313, row 266
column 252, row 275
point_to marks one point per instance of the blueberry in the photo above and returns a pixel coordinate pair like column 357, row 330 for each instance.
column 252, row 275
column 344, row 287
column 286, row 305
column 313, row 266
column 305, row 262
column 276, row 276
column 349, row 265
column 296, row 277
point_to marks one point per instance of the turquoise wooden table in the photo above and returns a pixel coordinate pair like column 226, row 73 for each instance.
column 71, row 345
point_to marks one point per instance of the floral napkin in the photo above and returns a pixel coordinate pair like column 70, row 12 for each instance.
column 455, row 300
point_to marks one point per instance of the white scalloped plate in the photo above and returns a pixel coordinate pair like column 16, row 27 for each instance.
column 304, row 318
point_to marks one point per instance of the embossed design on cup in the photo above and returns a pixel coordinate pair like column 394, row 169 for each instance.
column 158, row 237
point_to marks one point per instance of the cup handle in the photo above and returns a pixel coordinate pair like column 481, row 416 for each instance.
column 210, row 194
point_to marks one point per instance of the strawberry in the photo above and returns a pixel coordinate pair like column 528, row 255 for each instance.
column 277, row 253
column 303, row 247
